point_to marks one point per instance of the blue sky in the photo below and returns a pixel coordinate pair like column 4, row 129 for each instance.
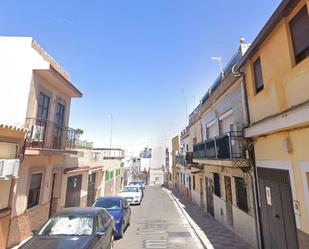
column 132, row 58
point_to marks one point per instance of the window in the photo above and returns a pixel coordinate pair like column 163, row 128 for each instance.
column 60, row 114
column 43, row 105
column 258, row 76
column 106, row 176
column 217, row 185
column 299, row 27
column 5, row 187
column 211, row 130
column 34, row 190
column 241, row 194
column 193, row 182
column 226, row 123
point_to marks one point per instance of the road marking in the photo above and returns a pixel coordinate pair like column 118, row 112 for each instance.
column 153, row 227
column 155, row 244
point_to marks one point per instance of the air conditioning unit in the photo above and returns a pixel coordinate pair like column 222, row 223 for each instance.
column 9, row 167
column 36, row 133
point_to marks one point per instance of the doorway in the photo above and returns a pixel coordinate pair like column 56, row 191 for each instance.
column 74, row 186
column 229, row 200
column 91, row 189
column 209, row 195
column 277, row 213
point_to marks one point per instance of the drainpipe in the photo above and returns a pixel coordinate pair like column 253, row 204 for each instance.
column 251, row 153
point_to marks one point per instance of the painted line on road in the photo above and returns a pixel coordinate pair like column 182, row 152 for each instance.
column 197, row 231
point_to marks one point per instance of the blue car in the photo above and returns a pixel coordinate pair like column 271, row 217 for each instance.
column 118, row 207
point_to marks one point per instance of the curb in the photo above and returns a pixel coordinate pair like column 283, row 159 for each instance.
column 196, row 229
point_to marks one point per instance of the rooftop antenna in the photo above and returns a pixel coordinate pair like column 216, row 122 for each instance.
column 219, row 59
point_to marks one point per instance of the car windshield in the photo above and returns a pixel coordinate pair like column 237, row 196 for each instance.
column 130, row 189
column 109, row 204
column 68, row 225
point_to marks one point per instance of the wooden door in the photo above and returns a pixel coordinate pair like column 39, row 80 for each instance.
column 209, row 195
column 91, row 189
column 74, row 186
column 229, row 200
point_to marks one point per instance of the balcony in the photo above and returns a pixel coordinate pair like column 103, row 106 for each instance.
column 45, row 134
column 228, row 146
column 184, row 159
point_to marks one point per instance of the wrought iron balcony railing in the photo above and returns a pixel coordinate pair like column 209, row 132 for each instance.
column 184, row 159
column 50, row 135
column 228, row 146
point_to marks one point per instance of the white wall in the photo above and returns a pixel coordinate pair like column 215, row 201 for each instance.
column 17, row 61
column 244, row 226
column 145, row 164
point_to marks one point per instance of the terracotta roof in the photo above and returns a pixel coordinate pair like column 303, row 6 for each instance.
column 13, row 128
column 82, row 169
column 76, row 169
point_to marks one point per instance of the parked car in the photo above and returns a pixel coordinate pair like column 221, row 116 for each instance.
column 138, row 182
column 133, row 194
column 119, row 208
column 75, row 228
column 134, row 184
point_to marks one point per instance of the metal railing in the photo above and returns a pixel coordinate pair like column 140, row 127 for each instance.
column 184, row 159
column 228, row 146
column 50, row 135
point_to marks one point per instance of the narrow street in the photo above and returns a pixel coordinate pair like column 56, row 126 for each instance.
column 158, row 223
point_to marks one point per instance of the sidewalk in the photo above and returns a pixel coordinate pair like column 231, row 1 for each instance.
column 218, row 235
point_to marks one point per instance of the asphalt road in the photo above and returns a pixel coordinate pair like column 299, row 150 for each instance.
column 158, row 223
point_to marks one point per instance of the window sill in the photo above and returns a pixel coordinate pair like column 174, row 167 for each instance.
column 32, row 208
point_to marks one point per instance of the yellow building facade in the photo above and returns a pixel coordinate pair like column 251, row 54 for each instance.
column 276, row 69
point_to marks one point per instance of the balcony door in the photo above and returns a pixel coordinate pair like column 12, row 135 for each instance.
column 59, row 128
column 41, row 121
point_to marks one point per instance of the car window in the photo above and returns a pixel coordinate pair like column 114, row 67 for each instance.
column 108, row 204
column 100, row 222
column 68, row 225
column 106, row 217
column 130, row 189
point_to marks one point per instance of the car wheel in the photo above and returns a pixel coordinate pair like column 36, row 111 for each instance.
column 129, row 221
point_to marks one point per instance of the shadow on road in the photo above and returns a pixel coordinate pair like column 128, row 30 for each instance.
column 219, row 236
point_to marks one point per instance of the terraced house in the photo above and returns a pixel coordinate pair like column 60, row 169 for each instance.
column 276, row 69
column 36, row 95
column 216, row 173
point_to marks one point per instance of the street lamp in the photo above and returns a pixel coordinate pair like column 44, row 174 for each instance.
column 219, row 59
column 111, row 130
